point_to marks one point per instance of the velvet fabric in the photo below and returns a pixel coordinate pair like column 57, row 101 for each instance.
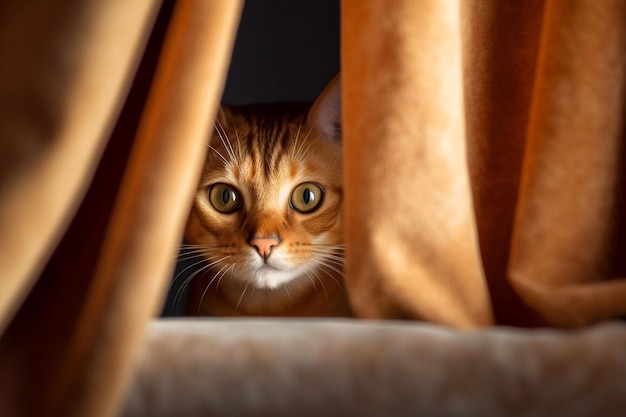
column 245, row 367
column 70, row 348
column 490, row 188
column 484, row 186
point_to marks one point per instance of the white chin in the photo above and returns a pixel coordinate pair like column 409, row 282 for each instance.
column 268, row 277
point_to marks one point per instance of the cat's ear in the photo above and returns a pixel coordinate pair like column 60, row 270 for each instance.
column 325, row 114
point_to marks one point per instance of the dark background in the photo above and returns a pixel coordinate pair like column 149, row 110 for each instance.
column 285, row 50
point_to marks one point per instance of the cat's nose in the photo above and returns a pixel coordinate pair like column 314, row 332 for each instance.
column 264, row 245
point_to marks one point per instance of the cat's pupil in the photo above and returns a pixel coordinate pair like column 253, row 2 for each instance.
column 307, row 196
column 225, row 196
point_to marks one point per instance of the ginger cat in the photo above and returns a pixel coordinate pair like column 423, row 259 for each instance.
column 266, row 218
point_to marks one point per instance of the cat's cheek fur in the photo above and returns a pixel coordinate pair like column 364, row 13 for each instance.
column 194, row 232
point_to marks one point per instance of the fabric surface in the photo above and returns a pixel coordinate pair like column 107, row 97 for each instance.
column 341, row 367
column 70, row 349
column 574, row 169
column 407, row 190
column 65, row 68
column 484, row 166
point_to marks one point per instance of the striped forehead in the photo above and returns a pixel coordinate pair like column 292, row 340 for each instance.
column 268, row 138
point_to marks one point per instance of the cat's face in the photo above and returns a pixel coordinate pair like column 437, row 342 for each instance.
column 267, row 212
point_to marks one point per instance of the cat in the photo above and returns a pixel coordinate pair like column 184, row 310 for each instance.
column 266, row 220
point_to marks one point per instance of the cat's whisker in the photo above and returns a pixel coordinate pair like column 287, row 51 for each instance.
column 308, row 275
column 203, row 246
column 189, row 247
column 195, row 253
column 328, row 249
column 225, row 140
column 295, row 142
column 178, row 296
column 298, row 154
column 180, row 274
column 204, row 249
column 188, row 256
column 336, row 254
column 231, row 268
column 224, row 270
column 329, row 245
column 287, row 291
column 302, row 153
column 224, row 274
column 241, row 296
column 316, row 275
column 200, row 247
column 331, row 257
column 229, row 143
column 241, row 158
column 324, row 265
column 254, row 289
column 335, row 264
column 306, row 151
column 331, row 267
column 190, row 277
column 226, row 161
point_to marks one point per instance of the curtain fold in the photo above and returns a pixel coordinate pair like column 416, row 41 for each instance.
column 410, row 230
column 65, row 68
column 500, row 49
column 78, row 333
column 566, row 245
column 484, row 170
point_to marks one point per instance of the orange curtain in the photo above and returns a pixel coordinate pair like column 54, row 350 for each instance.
column 485, row 154
column 70, row 348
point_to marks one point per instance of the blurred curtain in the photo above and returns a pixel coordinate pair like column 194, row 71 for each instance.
column 86, row 254
column 485, row 146
column 485, row 153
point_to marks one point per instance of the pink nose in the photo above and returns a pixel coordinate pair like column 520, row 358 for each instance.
column 264, row 245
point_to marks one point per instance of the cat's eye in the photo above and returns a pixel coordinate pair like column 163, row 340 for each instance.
column 225, row 198
column 307, row 197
